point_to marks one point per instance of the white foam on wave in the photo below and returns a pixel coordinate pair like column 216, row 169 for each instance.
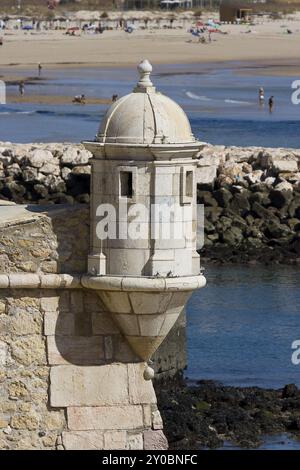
column 9, row 113
column 236, row 101
column 194, row 96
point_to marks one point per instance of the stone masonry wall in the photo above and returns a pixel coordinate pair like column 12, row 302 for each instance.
column 68, row 380
column 98, row 397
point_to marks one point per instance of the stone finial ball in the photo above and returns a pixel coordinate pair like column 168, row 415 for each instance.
column 144, row 67
column 148, row 373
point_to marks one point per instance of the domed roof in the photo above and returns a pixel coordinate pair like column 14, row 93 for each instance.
column 145, row 116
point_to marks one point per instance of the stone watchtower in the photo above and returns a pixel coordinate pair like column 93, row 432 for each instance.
column 143, row 260
column 69, row 380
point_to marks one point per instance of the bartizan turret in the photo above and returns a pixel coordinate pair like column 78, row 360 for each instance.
column 143, row 260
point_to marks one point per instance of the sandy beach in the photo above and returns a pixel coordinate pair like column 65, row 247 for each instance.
column 267, row 42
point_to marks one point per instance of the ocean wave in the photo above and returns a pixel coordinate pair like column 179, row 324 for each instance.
column 228, row 100
column 9, row 113
column 44, row 112
column 194, row 96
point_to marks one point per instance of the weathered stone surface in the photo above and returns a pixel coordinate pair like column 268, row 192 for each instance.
column 147, row 415
column 103, row 324
column 140, row 390
column 88, row 386
column 135, row 441
column 29, row 350
column 2, row 306
column 53, row 420
column 3, row 353
column 206, row 174
column 155, row 440
column 157, row 422
column 285, row 165
column 83, row 440
column 73, row 156
column 39, row 157
column 59, row 323
column 105, row 417
column 80, row 350
column 50, row 304
column 25, row 421
column 115, row 440
column 3, row 423
column 25, row 323
column 17, row 389
column 284, row 186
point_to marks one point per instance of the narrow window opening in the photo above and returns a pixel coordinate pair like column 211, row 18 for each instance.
column 189, row 184
column 126, row 184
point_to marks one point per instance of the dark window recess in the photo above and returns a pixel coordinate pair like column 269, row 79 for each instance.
column 126, row 184
column 189, row 184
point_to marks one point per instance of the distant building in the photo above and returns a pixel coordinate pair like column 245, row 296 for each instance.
column 171, row 4
column 168, row 4
column 234, row 12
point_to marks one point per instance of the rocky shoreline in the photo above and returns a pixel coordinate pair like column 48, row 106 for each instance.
column 251, row 195
column 252, row 204
column 45, row 173
column 208, row 414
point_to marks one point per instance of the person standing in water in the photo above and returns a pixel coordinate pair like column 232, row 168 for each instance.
column 271, row 103
column 261, row 96
column 40, row 68
column 21, row 88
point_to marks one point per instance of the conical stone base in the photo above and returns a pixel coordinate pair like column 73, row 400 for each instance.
column 143, row 346
column 145, row 309
column 145, row 318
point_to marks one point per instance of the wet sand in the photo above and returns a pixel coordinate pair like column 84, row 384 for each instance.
column 53, row 100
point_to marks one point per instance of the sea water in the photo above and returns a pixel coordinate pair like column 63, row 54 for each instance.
column 240, row 330
column 220, row 100
column 241, row 326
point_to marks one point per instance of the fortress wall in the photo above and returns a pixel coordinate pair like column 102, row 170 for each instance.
column 68, row 380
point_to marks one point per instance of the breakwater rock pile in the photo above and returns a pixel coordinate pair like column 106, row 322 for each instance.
column 251, row 195
column 252, row 204
column 208, row 414
column 45, row 173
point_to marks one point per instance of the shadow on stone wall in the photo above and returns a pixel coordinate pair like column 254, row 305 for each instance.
column 81, row 332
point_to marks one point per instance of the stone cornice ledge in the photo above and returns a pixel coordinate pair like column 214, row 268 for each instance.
column 139, row 283
column 110, row 283
column 42, row 281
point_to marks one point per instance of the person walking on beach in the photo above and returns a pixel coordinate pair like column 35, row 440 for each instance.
column 40, row 68
column 261, row 96
column 21, row 88
column 271, row 103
